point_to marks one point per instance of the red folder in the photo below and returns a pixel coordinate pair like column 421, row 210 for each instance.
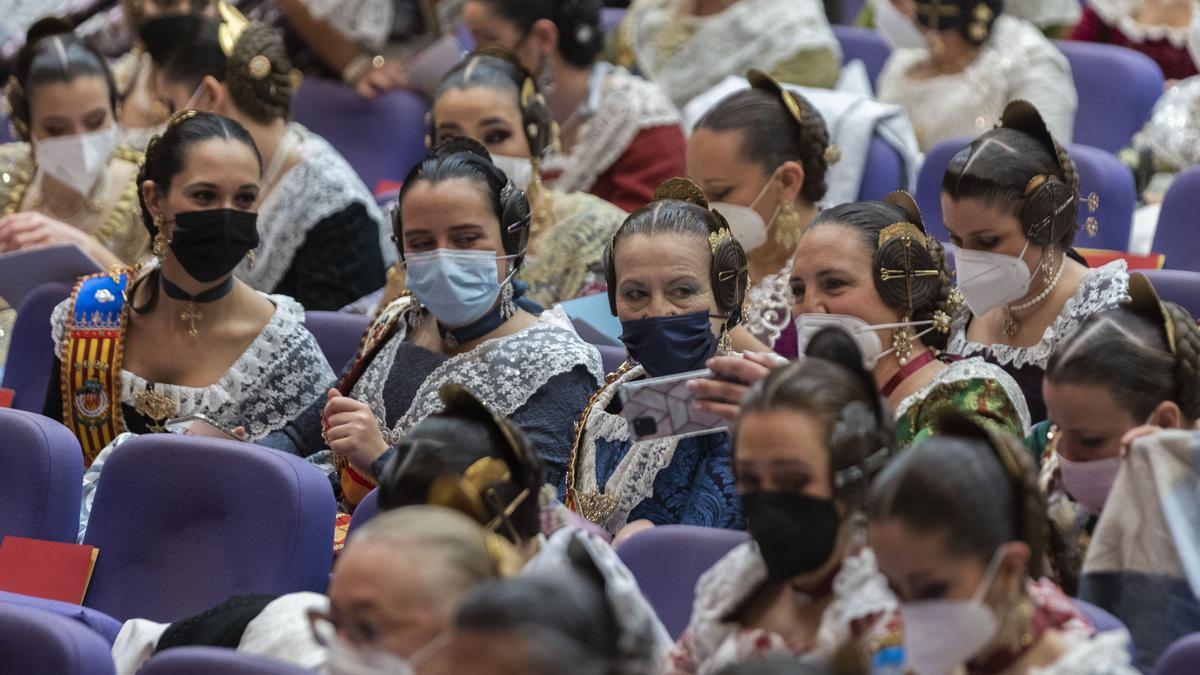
column 46, row 569
column 6, row 397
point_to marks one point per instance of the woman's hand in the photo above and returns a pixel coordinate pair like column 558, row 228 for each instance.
column 1134, row 434
column 353, row 432
column 391, row 75
column 723, row 396
column 631, row 529
column 31, row 229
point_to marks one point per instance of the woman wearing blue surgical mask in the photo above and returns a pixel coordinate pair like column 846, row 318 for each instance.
column 489, row 97
column 959, row 528
column 67, row 182
column 810, row 438
column 761, row 156
column 323, row 238
column 1010, row 201
column 138, row 346
column 461, row 229
column 1125, row 373
column 677, row 281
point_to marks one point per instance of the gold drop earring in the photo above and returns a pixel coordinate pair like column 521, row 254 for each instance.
column 159, row 247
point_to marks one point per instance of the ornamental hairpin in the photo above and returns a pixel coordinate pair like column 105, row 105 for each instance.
column 1091, row 224
column 233, row 24
column 259, row 67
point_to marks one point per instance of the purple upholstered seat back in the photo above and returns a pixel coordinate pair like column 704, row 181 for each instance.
column 41, row 471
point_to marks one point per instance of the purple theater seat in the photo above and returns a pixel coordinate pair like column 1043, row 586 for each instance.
column 864, row 44
column 668, row 560
column 104, row 625
column 33, row 641
column 1175, row 235
column 367, row 509
column 209, row 660
column 31, row 351
column 184, row 522
column 338, row 334
column 1181, row 658
column 611, row 357
column 1181, row 287
column 884, row 172
column 1102, row 620
column 41, row 471
column 610, row 18
column 929, row 184
column 383, row 138
column 1100, row 70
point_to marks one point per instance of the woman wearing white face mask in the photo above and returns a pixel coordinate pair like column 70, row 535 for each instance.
column 489, row 97
column 1126, row 372
column 68, row 182
column 761, row 156
column 958, row 62
column 1010, row 201
column 958, row 526
column 461, row 228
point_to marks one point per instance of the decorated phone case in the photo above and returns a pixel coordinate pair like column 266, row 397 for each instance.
column 661, row 407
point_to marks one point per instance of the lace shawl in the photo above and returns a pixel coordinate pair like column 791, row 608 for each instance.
column 769, row 306
column 278, row 375
column 503, row 372
column 321, row 184
column 1105, row 654
column 367, row 22
column 1173, row 132
column 567, row 259
column 972, row 369
column 632, row 481
column 1119, row 15
column 712, row 641
column 1102, row 288
column 1017, row 61
column 746, row 34
column 628, row 106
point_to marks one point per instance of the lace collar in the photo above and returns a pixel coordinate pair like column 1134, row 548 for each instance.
column 632, row 482
column 1119, row 14
column 1102, row 288
column 321, row 184
column 503, row 372
column 769, row 306
column 627, row 106
column 746, row 34
column 859, row 591
column 971, row 369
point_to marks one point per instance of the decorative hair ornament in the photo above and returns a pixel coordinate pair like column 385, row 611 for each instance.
column 233, row 24
column 13, row 91
column 1091, row 225
column 760, row 80
column 259, row 67
column 981, row 16
column 1144, row 300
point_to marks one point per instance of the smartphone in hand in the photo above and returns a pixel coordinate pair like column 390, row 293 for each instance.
column 662, row 407
column 199, row 425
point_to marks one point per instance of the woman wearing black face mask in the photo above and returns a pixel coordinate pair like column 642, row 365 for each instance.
column 808, row 440
column 139, row 346
column 676, row 280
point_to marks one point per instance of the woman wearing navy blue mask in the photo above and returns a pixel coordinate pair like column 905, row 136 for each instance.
column 677, row 280
column 461, row 228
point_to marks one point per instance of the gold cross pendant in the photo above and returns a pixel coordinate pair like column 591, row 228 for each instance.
column 191, row 315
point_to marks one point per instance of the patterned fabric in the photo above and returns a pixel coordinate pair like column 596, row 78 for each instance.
column 339, row 262
column 863, row 610
column 666, row 481
column 367, row 22
column 1087, row 652
column 567, row 259
column 320, row 186
column 1113, row 22
column 769, row 307
column 1017, row 61
column 1071, row 525
column 973, row 386
column 1045, row 14
column 687, row 54
column 1173, row 132
column 1101, row 289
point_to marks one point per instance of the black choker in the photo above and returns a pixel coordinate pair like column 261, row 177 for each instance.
column 473, row 331
column 191, row 314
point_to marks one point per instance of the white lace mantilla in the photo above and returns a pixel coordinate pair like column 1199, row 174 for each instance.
column 1173, row 132
column 769, row 306
column 972, row 369
column 859, row 591
column 1119, row 14
column 504, row 372
column 628, row 106
column 632, row 482
column 1045, row 13
column 321, row 184
column 278, row 375
column 746, row 34
column 367, row 22
column 1102, row 288
column 1017, row 61
column 1106, row 653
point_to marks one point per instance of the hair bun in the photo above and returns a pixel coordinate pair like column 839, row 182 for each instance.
column 47, row 27
column 836, row 346
column 1023, row 116
column 904, row 200
column 457, row 144
column 681, row 189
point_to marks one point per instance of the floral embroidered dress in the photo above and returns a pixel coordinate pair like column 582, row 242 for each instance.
column 540, row 377
column 973, row 386
column 1114, row 22
column 1101, row 289
column 769, row 312
column 566, row 260
column 863, row 610
column 613, row 480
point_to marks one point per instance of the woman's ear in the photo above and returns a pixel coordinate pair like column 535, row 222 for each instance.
column 545, row 35
column 212, row 96
column 791, row 178
column 1167, row 416
column 1014, row 567
column 150, row 196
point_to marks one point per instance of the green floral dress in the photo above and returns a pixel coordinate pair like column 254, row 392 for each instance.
column 974, row 386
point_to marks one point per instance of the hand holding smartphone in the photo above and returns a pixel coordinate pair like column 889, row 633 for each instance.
column 199, row 425
column 664, row 407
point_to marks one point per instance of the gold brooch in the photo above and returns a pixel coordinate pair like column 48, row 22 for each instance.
column 155, row 406
column 597, row 507
column 259, row 67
